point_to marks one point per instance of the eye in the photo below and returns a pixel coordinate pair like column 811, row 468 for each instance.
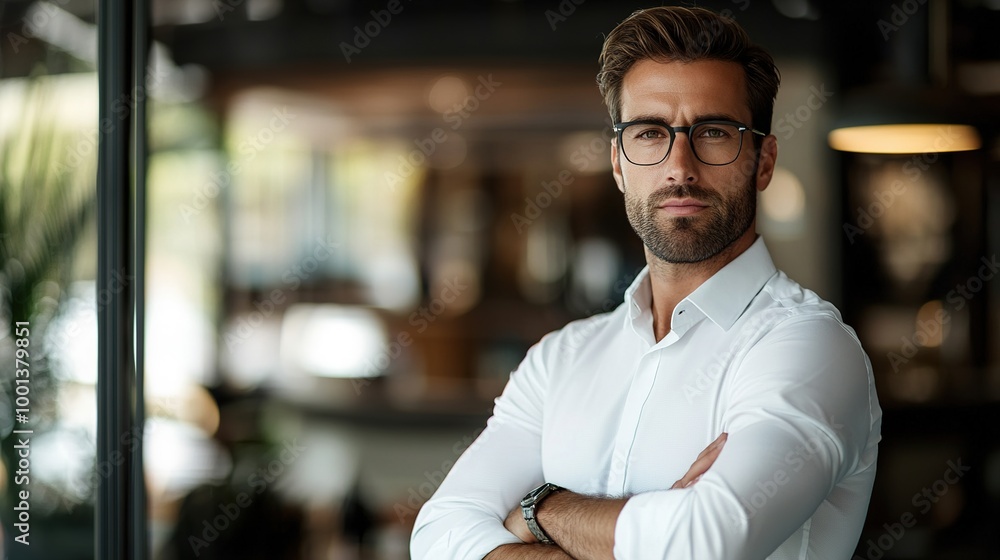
column 716, row 131
column 650, row 133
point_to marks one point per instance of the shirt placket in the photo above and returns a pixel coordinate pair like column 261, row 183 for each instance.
column 628, row 428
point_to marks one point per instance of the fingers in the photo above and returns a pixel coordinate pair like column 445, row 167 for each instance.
column 705, row 460
column 713, row 447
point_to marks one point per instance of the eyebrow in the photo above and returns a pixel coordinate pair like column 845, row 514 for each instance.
column 650, row 118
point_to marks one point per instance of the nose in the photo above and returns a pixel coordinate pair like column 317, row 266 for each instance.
column 681, row 164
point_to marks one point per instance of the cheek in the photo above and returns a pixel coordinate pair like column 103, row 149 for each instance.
column 639, row 178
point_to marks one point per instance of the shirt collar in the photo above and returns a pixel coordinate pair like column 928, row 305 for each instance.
column 722, row 298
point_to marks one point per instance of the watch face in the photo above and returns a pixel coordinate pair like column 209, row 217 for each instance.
column 533, row 495
column 539, row 493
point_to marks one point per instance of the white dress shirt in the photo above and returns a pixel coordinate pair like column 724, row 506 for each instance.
column 601, row 408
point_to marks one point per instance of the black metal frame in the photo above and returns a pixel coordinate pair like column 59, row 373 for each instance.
column 122, row 55
column 620, row 127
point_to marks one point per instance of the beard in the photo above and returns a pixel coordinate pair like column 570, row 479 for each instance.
column 692, row 239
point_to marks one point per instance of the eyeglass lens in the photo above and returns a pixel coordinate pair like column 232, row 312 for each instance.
column 712, row 143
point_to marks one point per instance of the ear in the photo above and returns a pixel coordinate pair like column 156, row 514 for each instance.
column 616, row 165
column 766, row 162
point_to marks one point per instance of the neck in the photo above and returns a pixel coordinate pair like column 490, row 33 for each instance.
column 672, row 282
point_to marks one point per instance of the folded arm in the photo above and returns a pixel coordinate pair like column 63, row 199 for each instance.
column 464, row 518
column 797, row 422
column 528, row 552
column 585, row 525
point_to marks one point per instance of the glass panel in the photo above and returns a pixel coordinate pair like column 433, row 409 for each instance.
column 49, row 470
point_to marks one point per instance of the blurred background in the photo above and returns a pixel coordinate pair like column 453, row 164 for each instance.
column 362, row 214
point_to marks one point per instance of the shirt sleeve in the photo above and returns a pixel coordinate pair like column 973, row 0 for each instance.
column 464, row 518
column 799, row 417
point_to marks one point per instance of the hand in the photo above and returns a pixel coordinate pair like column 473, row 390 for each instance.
column 515, row 524
column 700, row 465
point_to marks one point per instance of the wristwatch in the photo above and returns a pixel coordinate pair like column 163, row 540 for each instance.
column 530, row 503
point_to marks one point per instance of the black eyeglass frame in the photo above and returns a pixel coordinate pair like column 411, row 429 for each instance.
column 620, row 127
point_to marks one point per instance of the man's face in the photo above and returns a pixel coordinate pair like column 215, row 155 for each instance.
column 686, row 211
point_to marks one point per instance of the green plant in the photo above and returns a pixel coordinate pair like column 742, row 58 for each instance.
column 45, row 205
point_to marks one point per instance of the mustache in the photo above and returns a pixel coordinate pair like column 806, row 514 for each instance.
column 696, row 192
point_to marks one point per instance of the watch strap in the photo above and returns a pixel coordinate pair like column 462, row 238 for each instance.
column 529, row 506
column 535, row 528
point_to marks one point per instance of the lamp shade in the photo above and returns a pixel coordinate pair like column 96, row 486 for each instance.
column 898, row 120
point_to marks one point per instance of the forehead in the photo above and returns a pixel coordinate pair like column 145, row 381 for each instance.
column 684, row 90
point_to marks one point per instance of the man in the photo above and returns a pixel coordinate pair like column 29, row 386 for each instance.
column 714, row 357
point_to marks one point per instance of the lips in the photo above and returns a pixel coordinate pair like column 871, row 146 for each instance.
column 682, row 206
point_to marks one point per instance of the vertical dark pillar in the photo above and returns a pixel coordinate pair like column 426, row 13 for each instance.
column 116, row 389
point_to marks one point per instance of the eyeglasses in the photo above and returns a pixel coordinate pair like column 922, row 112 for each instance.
column 648, row 142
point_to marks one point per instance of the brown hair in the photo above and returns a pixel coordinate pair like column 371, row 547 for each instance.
column 687, row 34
